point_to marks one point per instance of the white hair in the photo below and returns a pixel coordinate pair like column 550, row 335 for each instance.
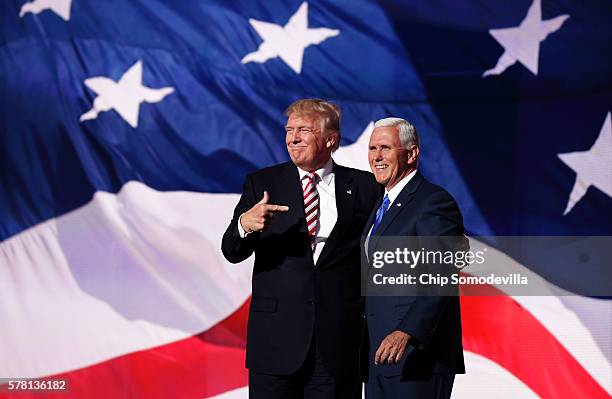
column 407, row 132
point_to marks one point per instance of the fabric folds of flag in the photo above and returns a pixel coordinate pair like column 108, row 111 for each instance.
column 126, row 130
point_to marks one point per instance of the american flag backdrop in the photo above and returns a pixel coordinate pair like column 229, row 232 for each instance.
column 127, row 127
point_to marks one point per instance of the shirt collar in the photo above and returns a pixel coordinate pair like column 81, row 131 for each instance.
column 325, row 172
column 397, row 189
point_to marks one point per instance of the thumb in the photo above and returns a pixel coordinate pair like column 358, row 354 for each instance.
column 265, row 198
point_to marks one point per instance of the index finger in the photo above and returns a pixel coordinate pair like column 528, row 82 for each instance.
column 277, row 208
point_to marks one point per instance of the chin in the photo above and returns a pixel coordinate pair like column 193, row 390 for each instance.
column 381, row 179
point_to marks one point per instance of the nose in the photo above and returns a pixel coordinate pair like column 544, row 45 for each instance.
column 378, row 155
column 297, row 137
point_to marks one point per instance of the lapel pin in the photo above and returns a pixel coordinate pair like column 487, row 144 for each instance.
column 399, row 204
column 349, row 191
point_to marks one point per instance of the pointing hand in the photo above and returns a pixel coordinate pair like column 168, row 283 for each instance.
column 256, row 218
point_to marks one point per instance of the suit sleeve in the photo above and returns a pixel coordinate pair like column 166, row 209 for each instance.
column 441, row 217
column 236, row 248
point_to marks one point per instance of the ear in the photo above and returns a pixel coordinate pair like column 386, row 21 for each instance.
column 331, row 140
column 413, row 154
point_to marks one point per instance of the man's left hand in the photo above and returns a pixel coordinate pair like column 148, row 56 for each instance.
column 392, row 348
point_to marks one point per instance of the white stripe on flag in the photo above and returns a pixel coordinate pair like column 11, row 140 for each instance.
column 485, row 379
column 561, row 321
column 123, row 273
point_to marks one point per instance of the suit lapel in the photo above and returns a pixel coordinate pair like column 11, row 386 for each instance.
column 346, row 192
column 290, row 193
column 370, row 221
column 402, row 200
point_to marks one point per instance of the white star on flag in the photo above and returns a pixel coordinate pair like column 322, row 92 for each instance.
column 60, row 7
column 593, row 167
column 522, row 43
column 356, row 154
column 287, row 42
column 124, row 96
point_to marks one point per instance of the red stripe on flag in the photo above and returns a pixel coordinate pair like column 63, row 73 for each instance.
column 500, row 329
column 197, row 367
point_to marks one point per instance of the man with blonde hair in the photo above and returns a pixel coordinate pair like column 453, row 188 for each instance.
column 303, row 220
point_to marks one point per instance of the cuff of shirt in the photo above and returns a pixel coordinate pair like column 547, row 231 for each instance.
column 240, row 229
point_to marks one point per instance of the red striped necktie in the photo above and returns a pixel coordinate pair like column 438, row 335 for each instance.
column 311, row 206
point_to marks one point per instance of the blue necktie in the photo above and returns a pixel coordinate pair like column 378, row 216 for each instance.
column 380, row 213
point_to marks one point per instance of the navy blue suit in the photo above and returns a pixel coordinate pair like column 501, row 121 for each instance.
column 434, row 354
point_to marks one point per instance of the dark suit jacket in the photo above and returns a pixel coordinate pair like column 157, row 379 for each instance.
column 433, row 322
column 292, row 297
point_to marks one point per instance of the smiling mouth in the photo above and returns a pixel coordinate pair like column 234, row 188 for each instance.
column 381, row 167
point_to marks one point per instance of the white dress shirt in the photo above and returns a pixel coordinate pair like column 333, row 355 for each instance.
column 328, row 213
column 395, row 191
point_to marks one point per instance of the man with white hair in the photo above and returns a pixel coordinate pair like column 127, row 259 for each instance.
column 415, row 342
